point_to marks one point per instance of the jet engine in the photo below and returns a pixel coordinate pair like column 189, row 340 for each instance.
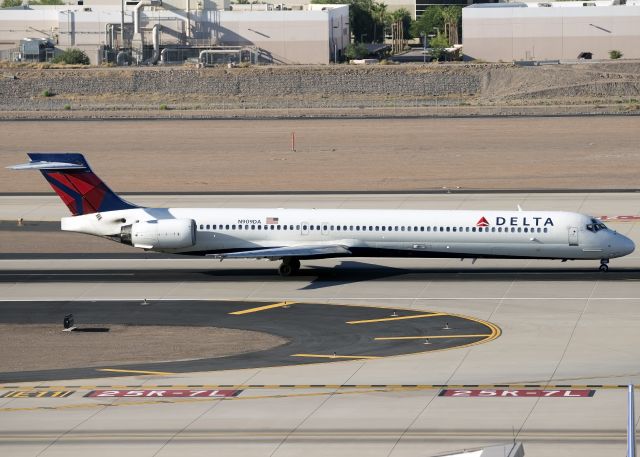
column 160, row 234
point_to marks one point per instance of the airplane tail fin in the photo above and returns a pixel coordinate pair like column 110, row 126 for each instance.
column 71, row 178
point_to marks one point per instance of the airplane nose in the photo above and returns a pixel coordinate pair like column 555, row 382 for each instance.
column 625, row 245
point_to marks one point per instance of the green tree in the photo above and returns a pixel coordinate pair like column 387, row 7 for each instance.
column 46, row 2
column 11, row 3
column 438, row 45
column 430, row 21
column 452, row 18
column 378, row 14
column 403, row 15
column 72, row 56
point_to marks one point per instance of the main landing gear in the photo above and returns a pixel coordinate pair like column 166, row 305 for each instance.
column 289, row 266
column 604, row 264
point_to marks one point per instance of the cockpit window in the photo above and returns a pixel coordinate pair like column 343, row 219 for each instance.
column 596, row 226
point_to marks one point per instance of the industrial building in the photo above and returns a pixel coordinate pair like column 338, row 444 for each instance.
column 172, row 31
column 551, row 30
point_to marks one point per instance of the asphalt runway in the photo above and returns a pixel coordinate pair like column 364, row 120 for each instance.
column 564, row 327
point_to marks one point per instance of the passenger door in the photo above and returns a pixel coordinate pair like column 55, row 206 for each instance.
column 573, row 236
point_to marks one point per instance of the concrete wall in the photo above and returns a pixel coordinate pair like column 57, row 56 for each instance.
column 506, row 34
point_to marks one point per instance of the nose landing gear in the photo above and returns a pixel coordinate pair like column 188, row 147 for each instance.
column 604, row 264
column 289, row 266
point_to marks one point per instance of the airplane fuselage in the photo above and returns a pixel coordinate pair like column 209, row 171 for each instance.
column 371, row 233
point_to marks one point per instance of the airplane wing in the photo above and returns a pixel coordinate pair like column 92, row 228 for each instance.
column 309, row 251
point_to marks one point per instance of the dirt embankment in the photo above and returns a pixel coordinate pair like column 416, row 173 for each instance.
column 293, row 91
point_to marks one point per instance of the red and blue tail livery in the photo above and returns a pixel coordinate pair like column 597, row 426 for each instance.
column 70, row 176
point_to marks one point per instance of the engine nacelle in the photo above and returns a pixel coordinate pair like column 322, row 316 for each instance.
column 160, row 234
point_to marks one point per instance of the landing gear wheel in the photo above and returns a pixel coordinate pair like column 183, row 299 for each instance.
column 604, row 265
column 289, row 266
column 285, row 270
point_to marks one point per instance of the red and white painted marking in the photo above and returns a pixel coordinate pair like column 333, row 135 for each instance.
column 171, row 393
column 519, row 393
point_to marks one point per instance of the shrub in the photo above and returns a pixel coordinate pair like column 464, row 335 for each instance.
column 72, row 56
column 47, row 93
column 164, row 107
column 67, row 107
column 355, row 51
column 615, row 54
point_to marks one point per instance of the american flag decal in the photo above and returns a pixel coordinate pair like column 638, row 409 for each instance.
column 272, row 220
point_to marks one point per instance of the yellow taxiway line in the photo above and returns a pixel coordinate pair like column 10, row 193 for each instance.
column 396, row 318
column 262, row 308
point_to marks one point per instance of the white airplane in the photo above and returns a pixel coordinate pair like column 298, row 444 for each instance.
column 291, row 235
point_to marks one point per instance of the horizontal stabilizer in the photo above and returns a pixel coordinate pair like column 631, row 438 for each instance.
column 308, row 251
column 45, row 165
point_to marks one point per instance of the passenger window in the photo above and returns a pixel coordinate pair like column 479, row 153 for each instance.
column 493, row 229
column 473, row 229
column 324, row 227
column 402, row 228
column 304, row 227
column 546, row 230
column 344, row 227
column 273, row 227
column 383, row 228
column 519, row 229
column 332, row 228
column 351, row 227
column 371, row 228
column 284, row 227
column 422, row 229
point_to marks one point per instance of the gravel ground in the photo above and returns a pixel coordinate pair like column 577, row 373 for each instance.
column 43, row 347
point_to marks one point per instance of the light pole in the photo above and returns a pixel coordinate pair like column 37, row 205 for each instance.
column 424, row 46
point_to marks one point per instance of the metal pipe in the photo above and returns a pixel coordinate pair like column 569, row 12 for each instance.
column 155, row 36
column 122, row 24
column 136, row 15
column 631, row 423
